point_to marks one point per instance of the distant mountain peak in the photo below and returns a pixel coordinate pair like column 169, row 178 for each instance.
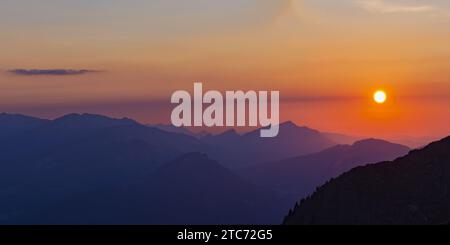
column 78, row 116
column 92, row 117
column 288, row 124
column 372, row 142
column 18, row 116
column 71, row 117
column 286, row 128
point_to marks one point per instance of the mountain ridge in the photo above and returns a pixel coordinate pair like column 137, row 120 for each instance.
column 409, row 190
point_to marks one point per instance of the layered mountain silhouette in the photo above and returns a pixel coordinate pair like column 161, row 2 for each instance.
column 87, row 141
column 298, row 177
column 237, row 151
column 92, row 169
column 77, row 158
column 79, row 154
column 410, row 190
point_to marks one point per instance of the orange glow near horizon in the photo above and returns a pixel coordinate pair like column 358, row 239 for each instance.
column 322, row 55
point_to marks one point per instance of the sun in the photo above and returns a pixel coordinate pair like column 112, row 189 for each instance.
column 380, row 96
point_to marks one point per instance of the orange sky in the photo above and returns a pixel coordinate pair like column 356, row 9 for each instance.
column 325, row 56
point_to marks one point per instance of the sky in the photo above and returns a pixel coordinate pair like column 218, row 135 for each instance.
column 326, row 57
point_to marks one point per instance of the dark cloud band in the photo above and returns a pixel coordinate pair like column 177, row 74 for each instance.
column 50, row 72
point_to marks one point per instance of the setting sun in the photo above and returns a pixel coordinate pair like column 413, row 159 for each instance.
column 380, row 97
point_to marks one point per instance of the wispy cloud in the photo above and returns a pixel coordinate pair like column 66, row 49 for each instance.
column 383, row 6
column 50, row 72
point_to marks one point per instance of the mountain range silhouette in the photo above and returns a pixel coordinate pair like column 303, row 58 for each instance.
column 92, row 169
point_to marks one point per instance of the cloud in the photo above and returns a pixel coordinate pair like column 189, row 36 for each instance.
column 50, row 72
column 382, row 6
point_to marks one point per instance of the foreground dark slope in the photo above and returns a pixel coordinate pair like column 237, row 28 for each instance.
column 410, row 190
